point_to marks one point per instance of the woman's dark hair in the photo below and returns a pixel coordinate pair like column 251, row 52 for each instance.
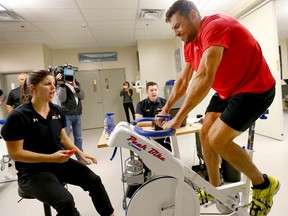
column 33, row 78
column 183, row 7
column 150, row 84
column 126, row 82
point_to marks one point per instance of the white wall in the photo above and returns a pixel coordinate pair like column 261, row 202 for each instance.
column 284, row 57
column 16, row 58
column 262, row 24
column 157, row 62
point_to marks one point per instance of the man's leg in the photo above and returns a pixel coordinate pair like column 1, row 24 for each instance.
column 211, row 157
column 217, row 140
column 77, row 131
column 220, row 139
column 69, row 120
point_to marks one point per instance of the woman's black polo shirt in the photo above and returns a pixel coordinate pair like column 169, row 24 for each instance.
column 39, row 134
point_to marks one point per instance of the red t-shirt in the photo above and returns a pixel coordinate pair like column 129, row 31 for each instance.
column 243, row 67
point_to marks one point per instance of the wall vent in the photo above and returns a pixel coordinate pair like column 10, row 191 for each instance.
column 150, row 14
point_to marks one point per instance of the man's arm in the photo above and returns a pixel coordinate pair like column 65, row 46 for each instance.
column 2, row 97
column 79, row 91
column 200, row 85
column 10, row 102
column 179, row 88
column 9, row 108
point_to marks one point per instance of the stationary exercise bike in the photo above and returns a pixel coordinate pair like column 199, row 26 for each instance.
column 171, row 192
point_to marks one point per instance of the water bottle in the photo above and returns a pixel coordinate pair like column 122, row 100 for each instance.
column 110, row 122
column 105, row 125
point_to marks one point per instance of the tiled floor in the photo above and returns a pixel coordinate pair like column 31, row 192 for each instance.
column 271, row 157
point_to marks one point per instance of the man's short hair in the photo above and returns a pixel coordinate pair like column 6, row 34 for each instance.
column 183, row 7
column 150, row 84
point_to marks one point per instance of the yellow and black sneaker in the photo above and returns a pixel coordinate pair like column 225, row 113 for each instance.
column 204, row 197
column 262, row 199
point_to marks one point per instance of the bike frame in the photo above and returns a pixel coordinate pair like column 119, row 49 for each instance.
column 163, row 162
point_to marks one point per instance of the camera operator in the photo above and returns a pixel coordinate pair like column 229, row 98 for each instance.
column 69, row 93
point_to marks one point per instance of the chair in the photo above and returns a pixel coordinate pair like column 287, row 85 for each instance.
column 47, row 208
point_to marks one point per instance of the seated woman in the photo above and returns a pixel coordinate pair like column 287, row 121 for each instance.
column 36, row 139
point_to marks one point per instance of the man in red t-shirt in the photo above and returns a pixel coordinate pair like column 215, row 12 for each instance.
column 224, row 56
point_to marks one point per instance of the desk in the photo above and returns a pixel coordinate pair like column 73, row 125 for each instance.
column 103, row 140
column 188, row 129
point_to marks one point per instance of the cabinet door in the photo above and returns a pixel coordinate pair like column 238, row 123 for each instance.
column 92, row 113
column 102, row 94
column 112, row 81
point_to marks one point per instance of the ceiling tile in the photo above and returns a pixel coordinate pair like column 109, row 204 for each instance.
column 108, row 4
column 12, row 4
column 48, row 14
column 109, row 14
column 128, row 24
column 16, row 27
column 57, row 23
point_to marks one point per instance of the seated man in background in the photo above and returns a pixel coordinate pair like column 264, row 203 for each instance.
column 150, row 107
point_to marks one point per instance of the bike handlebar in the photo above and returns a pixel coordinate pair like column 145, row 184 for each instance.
column 160, row 133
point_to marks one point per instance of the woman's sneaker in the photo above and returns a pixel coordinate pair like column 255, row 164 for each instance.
column 204, row 197
column 262, row 200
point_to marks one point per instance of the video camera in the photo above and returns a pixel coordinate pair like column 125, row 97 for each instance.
column 67, row 71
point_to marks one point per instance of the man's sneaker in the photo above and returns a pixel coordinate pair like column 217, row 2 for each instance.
column 262, row 200
column 204, row 197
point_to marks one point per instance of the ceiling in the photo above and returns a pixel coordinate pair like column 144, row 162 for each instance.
column 64, row 24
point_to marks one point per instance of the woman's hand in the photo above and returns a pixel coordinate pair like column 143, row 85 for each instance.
column 86, row 158
column 59, row 156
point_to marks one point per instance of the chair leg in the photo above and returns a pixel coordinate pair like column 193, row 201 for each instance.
column 47, row 209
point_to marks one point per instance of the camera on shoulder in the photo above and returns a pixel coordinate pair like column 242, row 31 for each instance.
column 67, row 72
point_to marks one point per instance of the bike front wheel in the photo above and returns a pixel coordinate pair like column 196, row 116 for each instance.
column 157, row 198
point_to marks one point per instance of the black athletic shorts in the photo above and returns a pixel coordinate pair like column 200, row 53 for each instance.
column 240, row 111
